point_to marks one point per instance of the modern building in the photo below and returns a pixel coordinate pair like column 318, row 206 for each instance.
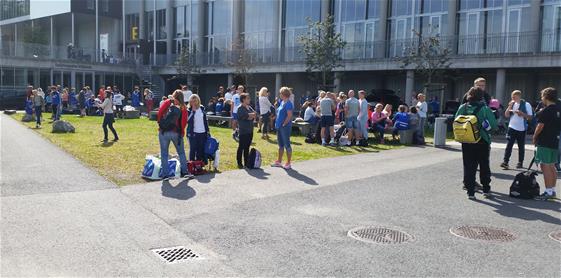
column 514, row 44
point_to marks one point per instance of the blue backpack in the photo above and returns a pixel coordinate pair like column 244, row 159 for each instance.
column 211, row 146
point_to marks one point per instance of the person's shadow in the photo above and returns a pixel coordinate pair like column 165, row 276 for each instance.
column 296, row 175
column 206, row 178
column 258, row 173
column 523, row 209
column 181, row 192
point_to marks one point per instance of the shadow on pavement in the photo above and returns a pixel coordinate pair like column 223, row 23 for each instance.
column 181, row 192
column 296, row 175
column 258, row 173
column 523, row 209
column 206, row 178
column 502, row 176
column 447, row 148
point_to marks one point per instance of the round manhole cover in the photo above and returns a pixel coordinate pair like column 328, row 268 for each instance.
column 380, row 235
column 556, row 235
column 483, row 233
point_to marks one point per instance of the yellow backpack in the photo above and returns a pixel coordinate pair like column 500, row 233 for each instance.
column 466, row 127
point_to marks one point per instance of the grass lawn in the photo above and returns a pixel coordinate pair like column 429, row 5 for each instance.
column 139, row 137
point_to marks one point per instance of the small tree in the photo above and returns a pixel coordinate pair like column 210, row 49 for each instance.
column 241, row 61
column 322, row 47
column 430, row 57
column 186, row 64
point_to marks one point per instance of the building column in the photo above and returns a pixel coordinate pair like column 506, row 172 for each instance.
column 169, row 31
column 500, row 85
column 25, row 73
column 141, row 19
column 96, row 30
column 277, row 25
column 200, row 40
column 409, row 86
column 230, row 80
column 324, row 9
column 452, row 26
column 380, row 39
column 51, row 43
column 337, row 83
column 237, row 21
column 51, row 73
column 154, row 52
column 73, row 29
column 124, row 32
column 278, row 84
column 535, row 18
column 73, row 79
column 15, row 39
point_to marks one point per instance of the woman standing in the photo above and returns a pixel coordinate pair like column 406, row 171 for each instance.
column 108, row 117
column 149, row 99
column 82, row 102
column 172, row 119
column 246, row 117
column 265, row 111
column 197, row 129
column 283, row 124
column 38, row 102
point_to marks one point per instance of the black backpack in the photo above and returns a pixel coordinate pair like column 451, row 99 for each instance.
column 525, row 185
column 169, row 121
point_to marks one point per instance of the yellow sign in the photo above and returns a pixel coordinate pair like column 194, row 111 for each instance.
column 134, row 33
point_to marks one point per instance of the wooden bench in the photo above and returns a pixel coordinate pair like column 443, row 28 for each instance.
column 218, row 119
column 304, row 127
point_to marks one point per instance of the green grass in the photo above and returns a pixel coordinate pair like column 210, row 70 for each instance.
column 139, row 137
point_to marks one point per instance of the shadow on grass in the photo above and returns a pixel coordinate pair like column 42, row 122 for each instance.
column 182, row 191
column 258, row 173
column 303, row 178
column 107, row 144
column 523, row 209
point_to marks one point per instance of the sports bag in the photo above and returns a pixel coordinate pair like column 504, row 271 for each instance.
column 466, row 127
column 174, row 167
column 151, row 168
column 525, row 184
column 196, row 167
column 211, row 146
column 254, row 160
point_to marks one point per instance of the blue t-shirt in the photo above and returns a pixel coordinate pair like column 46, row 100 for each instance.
column 56, row 98
column 282, row 113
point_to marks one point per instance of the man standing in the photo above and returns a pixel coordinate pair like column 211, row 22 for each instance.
column 57, row 101
column 519, row 112
column 480, row 83
column 351, row 114
column 327, row 107
column 363, row 115
column 546, row 138
column 186, row 93
column 422, row 109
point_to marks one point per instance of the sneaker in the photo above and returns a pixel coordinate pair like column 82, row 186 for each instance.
column 478, row 186
column 333, row 144
column 504, row 165
column 104, row 141
column 287, row 166
column 276, row 164
column 188, row 176
column 323, row 144
column 471, row 197
column 519, row 165
column 545, row 196
column 116, row 139
column 240, row 166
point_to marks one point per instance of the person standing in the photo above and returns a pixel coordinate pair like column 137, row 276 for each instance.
column 118, row 102
column 82, row 102
column 480, row 83
column 38, row 102
column 57, row 102
column 135, row 98
column 327, row 107
column 283, row 124
column 64, row 98
column 477, row 153
column 197, row 129
column 186, row 93
column 172, row 119
column 149, row 100
column 265, row 111
column 108, row 117
column 246, row 117
column 519, row 112
column 422, row 110
column 363, row 115
column 235, row 105
column 352, row 108
column 230, row 93
column 546, row 139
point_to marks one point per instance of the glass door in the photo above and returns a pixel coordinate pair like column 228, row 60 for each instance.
column 513, row 31
column 471, row 41
column 400, row 35
column 370, row 40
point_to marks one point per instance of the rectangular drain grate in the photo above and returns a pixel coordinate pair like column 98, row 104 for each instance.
column 175, row 254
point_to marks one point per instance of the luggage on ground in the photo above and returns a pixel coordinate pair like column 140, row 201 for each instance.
column 254, row 160
column 211, row 146
column 466, row 128
column 153, row 168
column 196, row 167
column 525, row 184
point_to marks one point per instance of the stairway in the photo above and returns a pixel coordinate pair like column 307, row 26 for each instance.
column 148, row 80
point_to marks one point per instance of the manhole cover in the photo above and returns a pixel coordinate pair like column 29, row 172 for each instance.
column 380, row 235
column 483, row 233
column 556, row 235
column 175, row 254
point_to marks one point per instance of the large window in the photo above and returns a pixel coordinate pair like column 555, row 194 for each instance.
column 161, row 24
column 260, row 28
column 357, row 21
column 295, row 13
column 13, row 8
column 185, row 29
column 132, row 24
column 219, row 29
column 551, row 26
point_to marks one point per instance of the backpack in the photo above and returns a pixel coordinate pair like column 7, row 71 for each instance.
column 211, row 146
column 466, row 127
column 524, row 110
column 254, row 159
column 525, row 184
column 169, row 121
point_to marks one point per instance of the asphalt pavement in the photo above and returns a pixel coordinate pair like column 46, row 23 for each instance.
column 268, row 222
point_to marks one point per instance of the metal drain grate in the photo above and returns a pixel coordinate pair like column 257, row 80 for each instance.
column 556, row 235
column 175, row 254
column 483, row 233
column 380, row 235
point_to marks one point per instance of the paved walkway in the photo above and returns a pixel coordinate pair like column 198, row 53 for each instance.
column 273, row 222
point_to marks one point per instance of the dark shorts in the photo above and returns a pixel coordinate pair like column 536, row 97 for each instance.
column 327, row 121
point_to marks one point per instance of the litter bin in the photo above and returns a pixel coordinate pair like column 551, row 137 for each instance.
column 440, row 131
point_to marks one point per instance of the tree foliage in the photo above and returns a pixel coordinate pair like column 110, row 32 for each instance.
column 322, row 47
column 186, row 64
column 241, row 61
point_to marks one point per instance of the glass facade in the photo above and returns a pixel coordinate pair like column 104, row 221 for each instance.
column 357, row 21
column 219, row 29
column 259, row 28
column 551, row 26
column 186, row 26
column 295, row 13
column 13, row 8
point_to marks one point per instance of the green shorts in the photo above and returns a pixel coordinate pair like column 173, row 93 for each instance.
column 546, row 155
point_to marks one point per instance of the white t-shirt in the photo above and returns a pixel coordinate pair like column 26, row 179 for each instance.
column 422, row 109
column 236, row 102
column 264, row 105
column 516, row 122
column 228, row 96
column 199, row 121
column 187, row 95
column 118, row 99
column 309, row 113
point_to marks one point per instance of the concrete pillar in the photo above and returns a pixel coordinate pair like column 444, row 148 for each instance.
column 409, row 86
column 96, row 31
column 52, row 77
column 154, row 60
column 337, row 83
column 230, row 80
column 237, row 21
column 16, row 39
column 380, row 39
column 124, row 31
column 200, row 40
column 276, row 35
column 452, row 26
column 51, row 42
column 73, row 79
column 141, row 19
column 278, row 84
column 73, row 29
column 324, row 9
column 169, row 31
column 500, row 85
column 535, row 18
